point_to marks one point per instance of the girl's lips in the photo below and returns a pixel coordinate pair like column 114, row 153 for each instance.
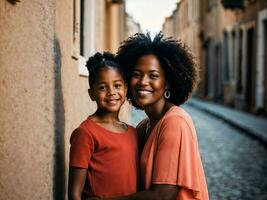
column 112, row 101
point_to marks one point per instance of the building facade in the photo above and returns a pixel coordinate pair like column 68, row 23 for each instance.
column 229, row 40
column 132, row 26
column 184, row 24
column 43, row 48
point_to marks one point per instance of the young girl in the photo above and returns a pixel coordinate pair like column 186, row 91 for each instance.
column 103, row 152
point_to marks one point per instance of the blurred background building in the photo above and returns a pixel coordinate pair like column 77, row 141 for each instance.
column 229, row 40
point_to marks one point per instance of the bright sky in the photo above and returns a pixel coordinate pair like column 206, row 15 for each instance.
column 150, row 13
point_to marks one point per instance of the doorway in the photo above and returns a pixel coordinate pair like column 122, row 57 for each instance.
column 265, row 65
column 249, row 68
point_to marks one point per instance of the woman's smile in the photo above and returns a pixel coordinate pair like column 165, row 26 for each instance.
column 144, row 92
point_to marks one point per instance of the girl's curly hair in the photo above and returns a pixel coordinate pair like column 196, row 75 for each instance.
column 175, row 58
column 97, row 62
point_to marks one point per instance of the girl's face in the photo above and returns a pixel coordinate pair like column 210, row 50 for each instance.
column 148, row 82
column 109, row 90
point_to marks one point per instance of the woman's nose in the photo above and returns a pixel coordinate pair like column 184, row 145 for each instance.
column 144, row 80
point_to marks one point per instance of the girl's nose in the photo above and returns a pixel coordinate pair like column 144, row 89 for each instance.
column 111, row 91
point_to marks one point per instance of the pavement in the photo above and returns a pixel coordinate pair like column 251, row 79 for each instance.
column 250, row 124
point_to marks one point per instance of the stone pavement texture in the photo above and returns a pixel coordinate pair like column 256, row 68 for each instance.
column 252, row 125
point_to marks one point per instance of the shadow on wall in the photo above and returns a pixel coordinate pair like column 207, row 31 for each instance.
column 59, row 127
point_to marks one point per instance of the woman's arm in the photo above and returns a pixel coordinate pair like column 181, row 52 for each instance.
column 156, row 192
column 77, row 178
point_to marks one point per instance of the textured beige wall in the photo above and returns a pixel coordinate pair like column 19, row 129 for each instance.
column 27, row 103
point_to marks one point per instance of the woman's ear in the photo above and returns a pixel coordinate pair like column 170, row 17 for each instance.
column 167, row 86
column 91, row 94
column 126, row 88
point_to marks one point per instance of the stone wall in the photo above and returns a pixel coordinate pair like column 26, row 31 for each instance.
column 27, row 117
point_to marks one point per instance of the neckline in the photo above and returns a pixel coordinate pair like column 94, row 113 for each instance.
column 107, row 130
column 147, row 121
column 161, row 117
column 146, row 137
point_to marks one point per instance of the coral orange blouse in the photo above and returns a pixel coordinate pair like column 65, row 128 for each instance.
column 171, row 155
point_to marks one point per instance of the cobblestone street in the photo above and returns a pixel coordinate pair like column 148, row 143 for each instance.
column 235, row 165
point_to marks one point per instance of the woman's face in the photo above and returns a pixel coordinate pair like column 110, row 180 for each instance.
column 148, row 81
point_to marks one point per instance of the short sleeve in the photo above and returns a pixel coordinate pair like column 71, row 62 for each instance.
column 81, row 148
column 177, row 157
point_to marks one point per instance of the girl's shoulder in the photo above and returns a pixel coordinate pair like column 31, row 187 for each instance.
column 130, row 128
column 86, row 127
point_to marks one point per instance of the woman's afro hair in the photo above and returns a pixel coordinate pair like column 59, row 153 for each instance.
column 97, row 62
column 175, row 58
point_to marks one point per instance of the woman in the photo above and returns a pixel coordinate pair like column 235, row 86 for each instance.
column 162, row 75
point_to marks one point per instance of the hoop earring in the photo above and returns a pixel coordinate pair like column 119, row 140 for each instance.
column 167, row 94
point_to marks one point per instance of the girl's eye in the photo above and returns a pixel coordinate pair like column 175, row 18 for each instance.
column 102, row 87
column 118, row 85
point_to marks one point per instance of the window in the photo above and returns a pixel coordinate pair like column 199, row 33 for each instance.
column 83, row 32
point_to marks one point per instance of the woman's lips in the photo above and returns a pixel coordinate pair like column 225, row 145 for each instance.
column 143, row 93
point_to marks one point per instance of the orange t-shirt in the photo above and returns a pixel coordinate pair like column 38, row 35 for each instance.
column 171, row 155
column 111, row 159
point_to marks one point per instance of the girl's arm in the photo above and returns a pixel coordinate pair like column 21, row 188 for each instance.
column 156, row 192
column 77, row 178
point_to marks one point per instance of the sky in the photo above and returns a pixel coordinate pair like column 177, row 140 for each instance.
column 150, row 13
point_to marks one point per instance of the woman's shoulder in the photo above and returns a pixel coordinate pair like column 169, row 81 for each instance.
column 177, row 118
column 174, row 124
column 177, row 113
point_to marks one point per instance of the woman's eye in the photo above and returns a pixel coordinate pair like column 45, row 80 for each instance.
column 135, row 74
column 154, row 76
